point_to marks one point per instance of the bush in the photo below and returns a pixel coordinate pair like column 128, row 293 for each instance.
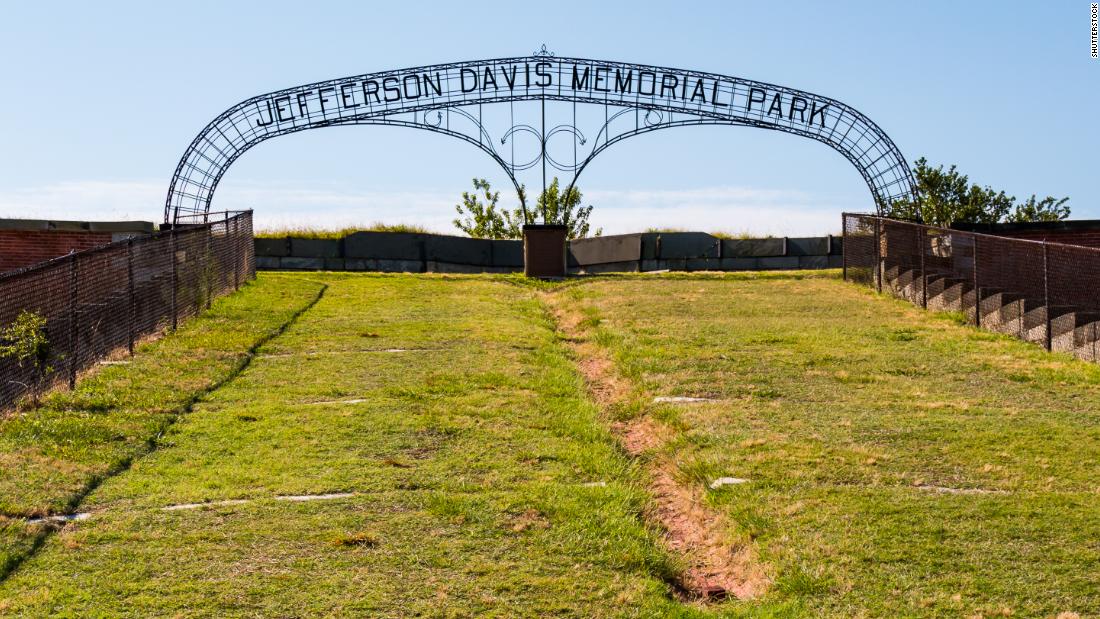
column 25, row 340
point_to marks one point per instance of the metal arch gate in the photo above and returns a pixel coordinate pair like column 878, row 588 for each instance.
column 452, row 98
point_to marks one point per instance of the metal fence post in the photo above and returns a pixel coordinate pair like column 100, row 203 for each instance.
column 1046, row 293
column 843, row 246
column 175, row 274
column 922, row 239
column 233, row 241
column 132, row 298
column 207, row 260
column 977, row 293
column 878, row 256
column 74, row 339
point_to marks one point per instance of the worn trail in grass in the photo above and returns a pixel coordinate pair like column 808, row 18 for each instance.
column 51, row 457
column 899, row 463
column 481, row 480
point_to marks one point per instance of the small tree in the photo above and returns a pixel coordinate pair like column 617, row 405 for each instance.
column 948, row 197
column 484, row 220
column 564, row 208
column 25, row 341
column 1047, row 209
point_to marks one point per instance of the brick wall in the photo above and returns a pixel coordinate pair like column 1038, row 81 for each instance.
column 20, row 248
column 1071, row 232
column 1088, row 238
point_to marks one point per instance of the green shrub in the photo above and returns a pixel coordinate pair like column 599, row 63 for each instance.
column 25, row 340
column 337, row 233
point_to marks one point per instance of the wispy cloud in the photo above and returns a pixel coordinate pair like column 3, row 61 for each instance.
column 86, row 200
column 716, row 209
column 730, row 209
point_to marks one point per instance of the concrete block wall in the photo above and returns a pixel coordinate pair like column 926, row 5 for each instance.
column 698, row 251
column 649, row 251
column 391, row 252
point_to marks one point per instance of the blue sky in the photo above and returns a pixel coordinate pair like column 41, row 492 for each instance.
column 101, row 99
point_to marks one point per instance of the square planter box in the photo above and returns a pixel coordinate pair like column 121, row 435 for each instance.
column 544, row 250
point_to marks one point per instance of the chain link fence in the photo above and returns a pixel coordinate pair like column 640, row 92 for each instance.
column 1047, row 293
column 99, row 302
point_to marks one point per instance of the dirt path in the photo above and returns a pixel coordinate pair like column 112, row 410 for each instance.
column 715, row 568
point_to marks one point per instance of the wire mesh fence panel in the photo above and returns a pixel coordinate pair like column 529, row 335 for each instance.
column 1011, row 284
column 859, row 253
column 900, row 251
column 98, row 306
column 46, row 292
column 151, row 284
column 1046, row 293
column 192, row 262
column 101, row 301
column 1074, row 291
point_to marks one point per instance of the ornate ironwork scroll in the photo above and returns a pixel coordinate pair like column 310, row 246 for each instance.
column 527, row 114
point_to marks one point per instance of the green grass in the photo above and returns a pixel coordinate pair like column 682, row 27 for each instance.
column 847, row 411
column 304, row 232
column 721, row 234
column 52, row 456
column 468, row 456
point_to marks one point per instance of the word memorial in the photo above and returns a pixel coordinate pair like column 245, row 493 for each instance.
column 533, row 113
column 585, row 81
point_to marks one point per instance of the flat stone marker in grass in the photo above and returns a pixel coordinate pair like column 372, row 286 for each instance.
column 296, row 498
column 680, row 399
column 727, row 481
column 172, row 508
column 60, row 518
column 314, row 497
column 947, row 490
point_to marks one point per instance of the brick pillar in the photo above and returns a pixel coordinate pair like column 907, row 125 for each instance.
column 544, row 250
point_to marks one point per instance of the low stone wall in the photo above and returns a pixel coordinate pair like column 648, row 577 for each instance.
column 398, row 252
column 650, row 251
column 698, row 251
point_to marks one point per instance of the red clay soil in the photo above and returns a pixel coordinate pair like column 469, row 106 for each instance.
column 715, row 567
column 640, row 435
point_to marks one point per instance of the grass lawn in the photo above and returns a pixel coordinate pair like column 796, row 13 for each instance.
column 898, row 463
column 479, row 479
column 53, row 456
